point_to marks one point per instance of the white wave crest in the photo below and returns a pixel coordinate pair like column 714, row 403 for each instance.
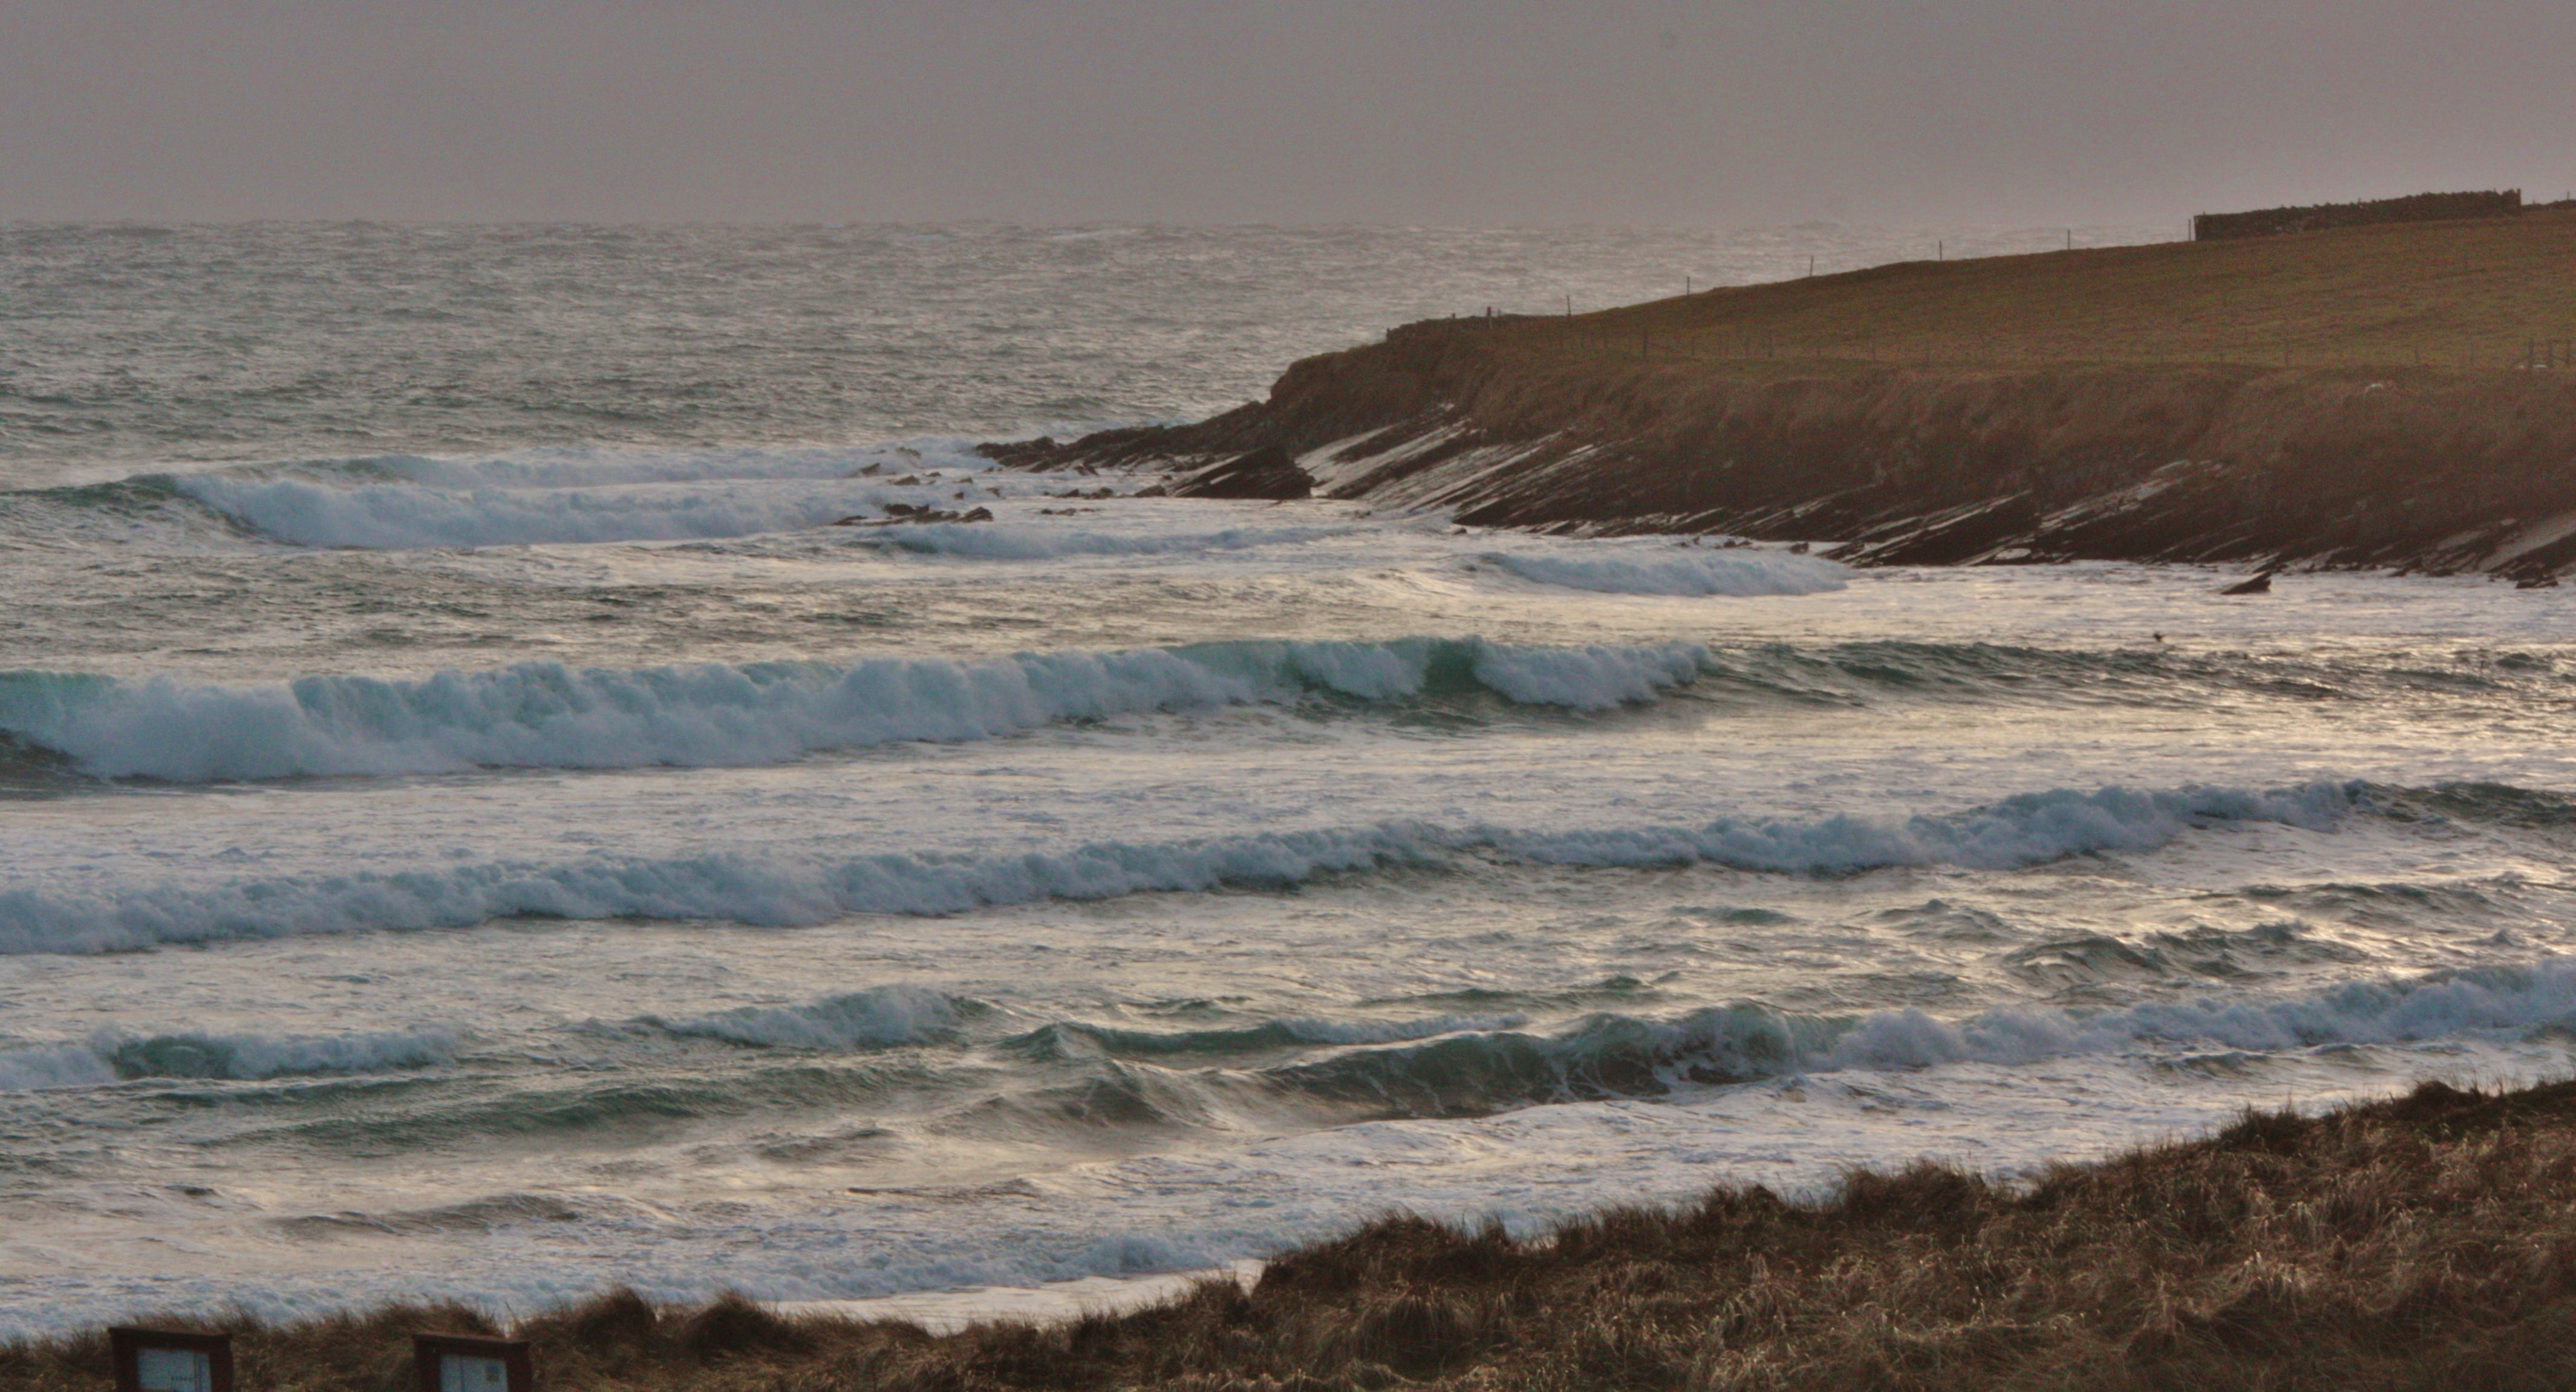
column 758, row 890
column 394, row 516
column 110, row 1056
column 1742, row 572
column 1724, row 1044
column 2440, row 1006
column 1589, row 678
column 2025, row 829
column 576, row 466
column 882, row 1018
column 547, row 715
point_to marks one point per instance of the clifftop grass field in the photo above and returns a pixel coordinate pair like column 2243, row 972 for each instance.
column 2427, row 1242
column 2469, row 295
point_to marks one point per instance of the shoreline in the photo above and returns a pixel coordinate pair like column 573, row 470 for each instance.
column 2413, row 1240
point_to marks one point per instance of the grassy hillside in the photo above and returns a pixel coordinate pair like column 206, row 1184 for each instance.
column 2428, row 1242
column 2344, row 398
column 2455, row 295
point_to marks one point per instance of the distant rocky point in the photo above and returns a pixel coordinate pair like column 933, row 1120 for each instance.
column 2397, row 394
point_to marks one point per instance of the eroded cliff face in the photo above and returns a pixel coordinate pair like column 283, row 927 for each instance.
column 2409, row 468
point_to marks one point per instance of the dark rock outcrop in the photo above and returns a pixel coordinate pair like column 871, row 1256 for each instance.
column 898, row 514
column 2408, row 468
column 1267, row 472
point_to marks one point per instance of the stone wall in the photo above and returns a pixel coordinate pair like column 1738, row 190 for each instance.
column 2420, row 207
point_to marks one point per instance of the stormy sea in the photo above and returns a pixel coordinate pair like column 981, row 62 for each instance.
column 473, row 826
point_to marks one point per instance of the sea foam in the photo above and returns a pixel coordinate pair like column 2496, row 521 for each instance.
column 394, row 516
column 882, row 1018
column 758, row 889
column 547, row 715
column 1742, row 571
column 569, row 467
column 110, row 1056
column 1613, row 1055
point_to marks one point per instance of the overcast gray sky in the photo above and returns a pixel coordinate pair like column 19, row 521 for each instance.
column 1411, row 111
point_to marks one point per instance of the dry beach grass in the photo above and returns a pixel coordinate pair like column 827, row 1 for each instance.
column 2427, row 1241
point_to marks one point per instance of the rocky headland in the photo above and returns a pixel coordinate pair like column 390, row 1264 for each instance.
column 2388, row 396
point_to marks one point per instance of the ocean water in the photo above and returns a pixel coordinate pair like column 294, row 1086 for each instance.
column 470, row 825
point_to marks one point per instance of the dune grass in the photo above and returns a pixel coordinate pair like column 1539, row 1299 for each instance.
column 2468, row 295
column 2426, row 1242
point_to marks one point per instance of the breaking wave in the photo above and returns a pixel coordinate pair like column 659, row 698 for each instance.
column 1610, row 1055
column 394, row 516
column 2512, row 1000
column 1468, row 1065
column 2017, row 831
column 547, row 715
column 1066, row 1039
column 538, row 496
column 882, row 1018
column 593, row 467
column 111, row 1056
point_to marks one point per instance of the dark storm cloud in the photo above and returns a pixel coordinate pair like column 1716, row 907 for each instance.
column 1277, row 110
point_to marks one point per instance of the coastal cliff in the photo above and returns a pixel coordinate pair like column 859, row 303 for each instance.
column 2397, row 396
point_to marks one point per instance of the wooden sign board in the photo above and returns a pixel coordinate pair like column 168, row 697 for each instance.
column 457, row 1363
column 168, row 1360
